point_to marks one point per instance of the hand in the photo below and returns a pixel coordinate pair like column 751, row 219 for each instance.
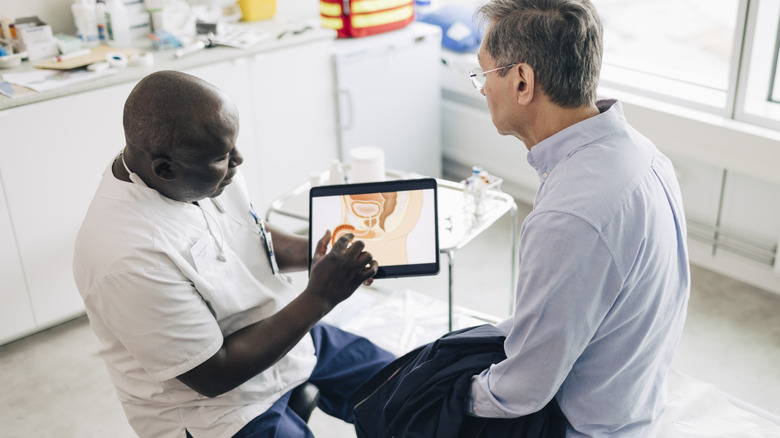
column 335, row 276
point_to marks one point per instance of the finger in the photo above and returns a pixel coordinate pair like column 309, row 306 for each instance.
column 357, row 245
column 371, row 269
column 322, row 244
column 343, row 241
column 364, row 257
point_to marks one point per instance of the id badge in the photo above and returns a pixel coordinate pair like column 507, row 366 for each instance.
column 269, row 249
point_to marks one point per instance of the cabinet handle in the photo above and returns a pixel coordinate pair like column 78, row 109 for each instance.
column 345, row 107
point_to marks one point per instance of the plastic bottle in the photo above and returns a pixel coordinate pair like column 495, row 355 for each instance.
column 117, row 23
column 100, row 9
column 472, row 192
column 336, row 175
column 85, row 17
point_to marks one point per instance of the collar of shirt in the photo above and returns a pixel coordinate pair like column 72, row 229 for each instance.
column 547, row 153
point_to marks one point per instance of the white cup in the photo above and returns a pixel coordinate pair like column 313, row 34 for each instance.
column 367, row 164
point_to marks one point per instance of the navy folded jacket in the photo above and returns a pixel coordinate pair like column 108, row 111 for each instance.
column 423, row 393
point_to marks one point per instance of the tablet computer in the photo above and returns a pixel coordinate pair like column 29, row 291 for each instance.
column 397, row 220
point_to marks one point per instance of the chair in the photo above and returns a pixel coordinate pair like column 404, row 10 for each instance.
column 304, row 399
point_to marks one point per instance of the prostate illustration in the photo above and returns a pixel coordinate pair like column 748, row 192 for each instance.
column 382, row 221
column 365, row 215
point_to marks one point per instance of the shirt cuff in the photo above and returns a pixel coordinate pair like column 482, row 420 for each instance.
column 480, row 402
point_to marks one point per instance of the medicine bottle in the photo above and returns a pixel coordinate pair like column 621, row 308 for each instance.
column 85, row 17
column 117, row 23
column 101, row 21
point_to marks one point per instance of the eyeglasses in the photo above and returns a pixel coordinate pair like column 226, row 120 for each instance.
column 478, row 76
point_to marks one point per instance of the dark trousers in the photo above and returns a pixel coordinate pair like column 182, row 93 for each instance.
column 344, row 362
column 422, row 394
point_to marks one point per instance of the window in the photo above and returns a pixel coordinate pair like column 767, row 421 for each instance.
column 679, row 50
column 759, row 92
column 718, row 56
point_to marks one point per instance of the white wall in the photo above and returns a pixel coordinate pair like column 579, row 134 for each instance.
column 56, row 13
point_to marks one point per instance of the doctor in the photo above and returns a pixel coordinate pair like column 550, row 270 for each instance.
column 603, row 270
column 200, row 333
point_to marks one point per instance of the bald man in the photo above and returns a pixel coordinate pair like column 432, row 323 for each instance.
column 201, row 334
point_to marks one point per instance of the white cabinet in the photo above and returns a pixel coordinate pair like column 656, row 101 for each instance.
column 51, row 162
column 15, row 314
column 295, row 115
column 390, row 96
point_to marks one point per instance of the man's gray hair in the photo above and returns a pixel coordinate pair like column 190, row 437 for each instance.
column 560, row 39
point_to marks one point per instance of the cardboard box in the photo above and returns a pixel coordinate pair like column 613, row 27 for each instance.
column 37, row 38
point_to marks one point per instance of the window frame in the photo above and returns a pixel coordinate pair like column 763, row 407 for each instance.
column 737, row 102
column 705, row 99
column 751, row 106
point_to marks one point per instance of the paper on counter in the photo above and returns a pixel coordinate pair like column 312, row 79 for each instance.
column 96, row 54
column 239, row 37
column 13, row 91
column 45, row 80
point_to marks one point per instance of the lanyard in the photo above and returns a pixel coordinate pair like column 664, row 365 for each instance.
column 266, row 236
column 261, row 230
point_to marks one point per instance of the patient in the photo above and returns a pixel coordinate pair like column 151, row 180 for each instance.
column 200, row 332
column 603, row 275
column 603, row 279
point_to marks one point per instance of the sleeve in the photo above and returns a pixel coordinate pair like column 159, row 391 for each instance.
column 566, row 285
column 158, row 317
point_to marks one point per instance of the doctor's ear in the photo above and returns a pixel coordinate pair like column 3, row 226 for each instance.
column 162, row 168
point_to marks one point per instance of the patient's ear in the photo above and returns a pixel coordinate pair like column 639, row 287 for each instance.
column 525, row 81
column 162, row 169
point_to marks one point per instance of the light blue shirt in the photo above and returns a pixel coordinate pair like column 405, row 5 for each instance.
column 603, row 284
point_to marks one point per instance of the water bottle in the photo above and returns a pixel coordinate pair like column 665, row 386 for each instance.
column 473, row 192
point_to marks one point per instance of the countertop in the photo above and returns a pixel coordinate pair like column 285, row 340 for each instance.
column 281, row 34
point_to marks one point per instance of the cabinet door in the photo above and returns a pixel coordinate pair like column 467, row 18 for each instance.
column 295, row 115
column 390, row 97
column 51, row 160
column 15, row 314
column 233, row 78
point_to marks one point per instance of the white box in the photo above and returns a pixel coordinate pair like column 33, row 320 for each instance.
column 38, row 40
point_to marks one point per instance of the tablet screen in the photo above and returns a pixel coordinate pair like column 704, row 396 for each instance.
column 397, row 221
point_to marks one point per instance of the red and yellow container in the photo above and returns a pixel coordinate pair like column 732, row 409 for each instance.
column 358, row 18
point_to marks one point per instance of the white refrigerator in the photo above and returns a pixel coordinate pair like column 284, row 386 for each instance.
column 389, row 88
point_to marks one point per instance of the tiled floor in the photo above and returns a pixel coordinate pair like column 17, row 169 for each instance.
column 54, row 385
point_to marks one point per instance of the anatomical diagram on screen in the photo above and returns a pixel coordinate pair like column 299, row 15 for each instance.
column 390, row 224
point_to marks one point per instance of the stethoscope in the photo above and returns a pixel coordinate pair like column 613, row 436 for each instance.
column 265, row 235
